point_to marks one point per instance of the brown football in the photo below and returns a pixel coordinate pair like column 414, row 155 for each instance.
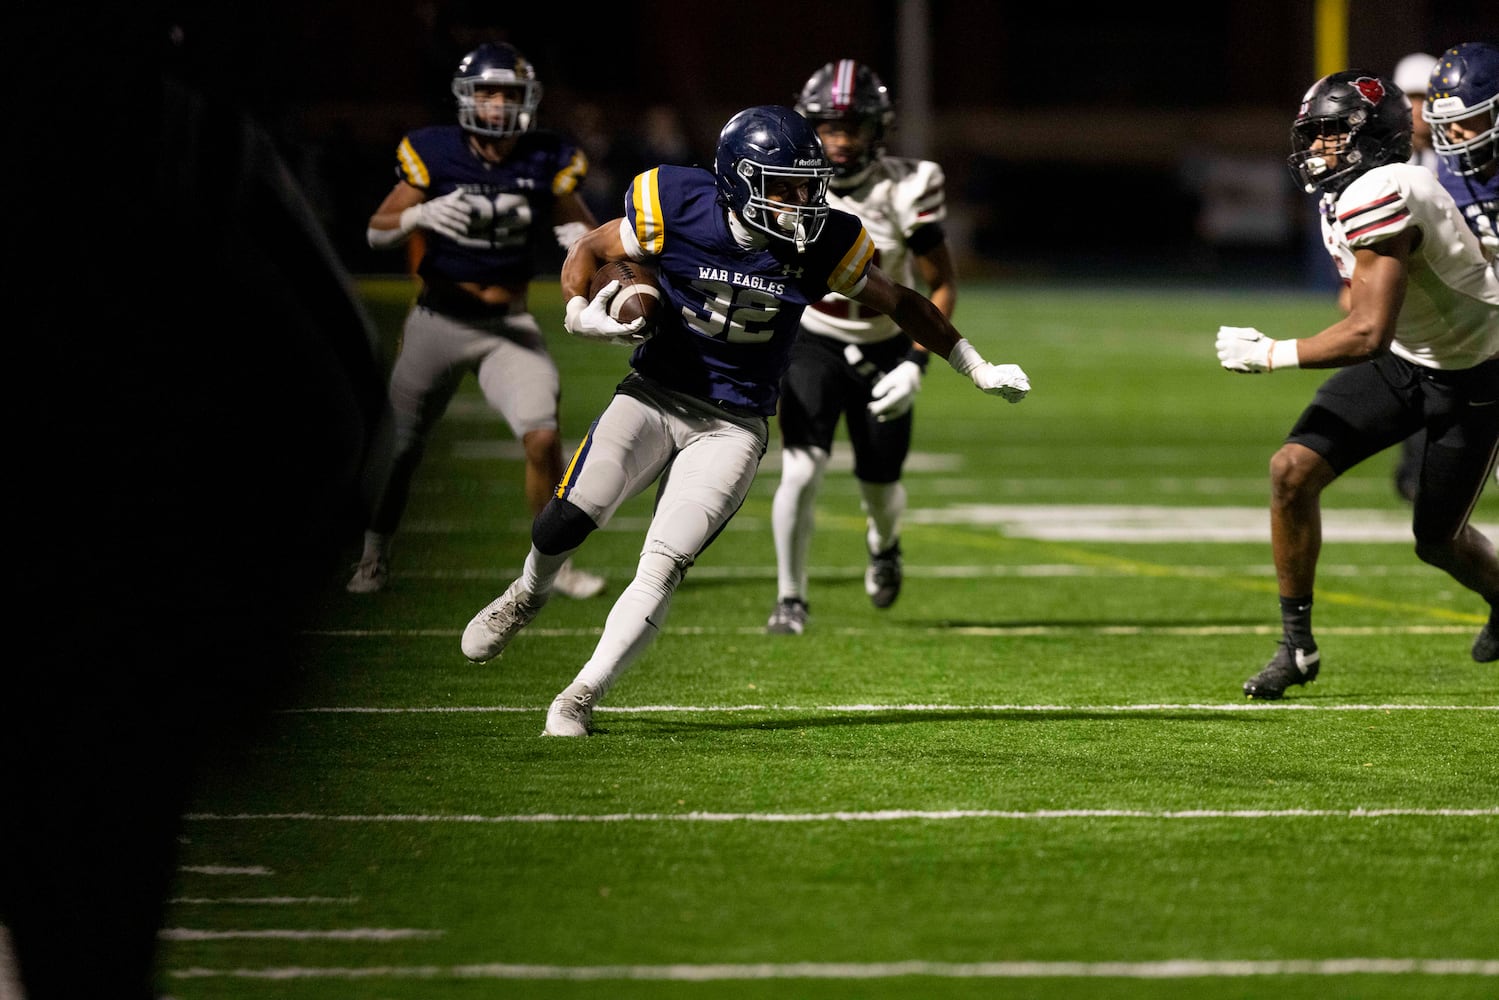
column 639, row 291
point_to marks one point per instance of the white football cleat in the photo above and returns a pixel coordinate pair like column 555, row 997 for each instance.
column 371, row 574
column 491, row 629
column 571, row 711
column 575, row 583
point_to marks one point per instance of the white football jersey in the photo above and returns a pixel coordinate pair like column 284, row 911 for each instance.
column 1450, row 319
column 896, row 198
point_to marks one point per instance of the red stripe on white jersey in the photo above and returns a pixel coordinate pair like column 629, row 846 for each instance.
column 1374, row 215
column 1388, row 220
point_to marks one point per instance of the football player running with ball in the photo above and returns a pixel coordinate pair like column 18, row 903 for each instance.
column 1419, row 348
column 851, row 362
column 741, row 251
column 483, row 193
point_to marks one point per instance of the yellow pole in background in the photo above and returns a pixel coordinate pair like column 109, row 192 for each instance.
column 1332, row 36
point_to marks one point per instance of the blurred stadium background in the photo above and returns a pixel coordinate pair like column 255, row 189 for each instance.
column 1124, row 144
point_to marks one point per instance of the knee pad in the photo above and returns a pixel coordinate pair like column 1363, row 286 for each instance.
column 560, row 527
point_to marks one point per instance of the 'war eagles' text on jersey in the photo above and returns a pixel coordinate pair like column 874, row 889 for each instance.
column 510, row 201
column 731, row 312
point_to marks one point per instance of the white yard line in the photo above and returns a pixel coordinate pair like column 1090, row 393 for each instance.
column 869, row 816
column 934, row 572
column 261, row 900
column 911, row 708
column 347, row 934
column 969, row 630
column 1061, row 522
column 1181, row 968
column 1151, row 523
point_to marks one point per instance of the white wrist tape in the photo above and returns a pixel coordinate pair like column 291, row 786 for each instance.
column 965, row 357
column 1285, row 354
column 381, row 239
column 575, row 305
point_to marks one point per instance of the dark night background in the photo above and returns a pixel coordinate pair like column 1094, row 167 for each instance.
column 1117, row 144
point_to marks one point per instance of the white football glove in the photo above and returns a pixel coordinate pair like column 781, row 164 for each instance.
column 997, row 380
column 1002, row 380
column 591, row 320
column 1245, row 349
column 896, row 390
column 449, row 215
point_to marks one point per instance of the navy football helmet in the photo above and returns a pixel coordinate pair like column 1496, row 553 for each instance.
column 1363, row 120
column 762, row 149
column 849, row 91
column 1465, row 85
column 497, row 64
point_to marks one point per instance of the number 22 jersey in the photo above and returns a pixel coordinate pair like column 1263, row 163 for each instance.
column 510, row 203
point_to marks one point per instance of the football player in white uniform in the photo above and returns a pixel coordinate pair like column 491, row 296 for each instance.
column 1419, row 347
column 850, row 362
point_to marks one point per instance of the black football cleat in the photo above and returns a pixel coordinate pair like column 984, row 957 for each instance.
column 788, row 618
column 1289, row 666
column 882, row 578
column 1486, row 646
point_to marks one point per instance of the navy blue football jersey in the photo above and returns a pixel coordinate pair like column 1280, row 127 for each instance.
column 730, row 313
column 512, row 201
column 1477, row 199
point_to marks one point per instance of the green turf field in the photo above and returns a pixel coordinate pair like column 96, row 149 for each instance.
column 1034, row 776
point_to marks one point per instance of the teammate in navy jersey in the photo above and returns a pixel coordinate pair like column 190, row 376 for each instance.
column 741, row 251
column 484, row 193
column 1462, row 107
column 1459, row 103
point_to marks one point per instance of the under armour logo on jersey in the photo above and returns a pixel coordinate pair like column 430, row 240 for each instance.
column 787, row 271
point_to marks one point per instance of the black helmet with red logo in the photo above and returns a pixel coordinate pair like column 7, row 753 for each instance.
column 1349, row 123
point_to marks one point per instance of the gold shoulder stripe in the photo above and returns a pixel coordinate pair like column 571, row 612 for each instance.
column 650, row 227
column 570, row 176
column 412, row 166
column 847, row 273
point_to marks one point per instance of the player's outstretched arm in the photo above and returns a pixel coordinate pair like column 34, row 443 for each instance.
column 916, row 315
column 1376, row 294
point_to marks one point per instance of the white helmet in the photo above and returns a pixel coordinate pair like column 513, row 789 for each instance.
column 1413, row 72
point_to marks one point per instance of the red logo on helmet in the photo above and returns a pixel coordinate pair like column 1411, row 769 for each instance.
column 1370, row 89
